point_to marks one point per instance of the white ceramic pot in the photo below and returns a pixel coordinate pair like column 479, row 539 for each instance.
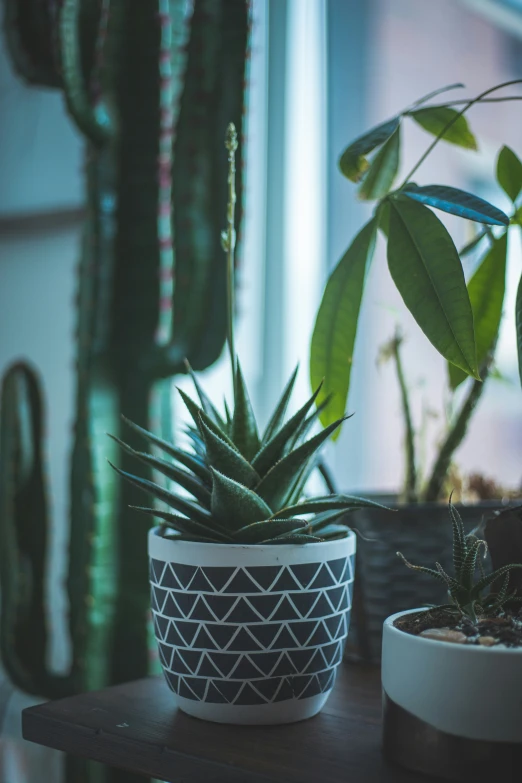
column 451, row 709
column 251, row 634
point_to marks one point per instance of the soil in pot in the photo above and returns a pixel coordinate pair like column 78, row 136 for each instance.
column 489, row 631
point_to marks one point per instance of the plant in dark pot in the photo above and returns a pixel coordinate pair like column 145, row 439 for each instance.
column 251, row 580
column 452, row 674
column 460, row 318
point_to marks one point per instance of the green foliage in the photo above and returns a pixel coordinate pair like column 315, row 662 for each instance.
column 466, row 594
column 383, row 169
column 426, row 269
column 335, row 329
column 353, row 163
column 244, row 502
column 509, row 173
column 423, row 260
column 486, row 290
column 246, row 488
column 457, row 202
column 129, row 76
column 434, row 119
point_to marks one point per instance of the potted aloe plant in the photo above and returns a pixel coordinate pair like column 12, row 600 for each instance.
column 251, row 580
column 451, row 674
column 461, row 319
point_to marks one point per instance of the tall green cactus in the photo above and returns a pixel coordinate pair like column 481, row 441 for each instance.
column 152, row 87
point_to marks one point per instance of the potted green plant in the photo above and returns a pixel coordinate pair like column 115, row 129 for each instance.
column 382, row 587
column 251, row 581
column 451, row 674
column 460, row 319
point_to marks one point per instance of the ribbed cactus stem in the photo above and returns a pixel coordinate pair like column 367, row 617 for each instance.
column 228, row 237
column 91, row 118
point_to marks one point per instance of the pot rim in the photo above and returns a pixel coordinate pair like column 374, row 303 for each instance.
column 350, row 536
column 473, row 649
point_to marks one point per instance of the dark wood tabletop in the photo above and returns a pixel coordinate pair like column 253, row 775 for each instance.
column 138, row 727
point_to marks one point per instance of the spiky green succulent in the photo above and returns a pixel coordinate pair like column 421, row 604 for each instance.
column 245, row 487
column 466, row 593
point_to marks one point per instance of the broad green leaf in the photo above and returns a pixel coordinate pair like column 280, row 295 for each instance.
column 383, row 169
column 352, row 162
column 244, row 427
column 277, row 485
column 271, row 528
column 317, row 505
column 192, row 510
column 518, row 311
column 457, row 202
column 509, row 172
column 234, row 505
column 486, row 293
column 186, row 480
column 435, row 118
column 210, row 532
column 190, row 461
column 279, row 413
column 272, row 451
column 226, row 459
column 333, row 338
column 426, row 269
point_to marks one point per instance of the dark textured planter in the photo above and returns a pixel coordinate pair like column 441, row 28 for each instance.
column 384, row 586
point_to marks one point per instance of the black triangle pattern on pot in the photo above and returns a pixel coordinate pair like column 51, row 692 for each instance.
column 251, row 635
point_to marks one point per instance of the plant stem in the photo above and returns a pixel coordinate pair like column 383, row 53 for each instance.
column 455, row 436
column 452, row 122
column 463, row 101
column 410, row 479
column 228, row 240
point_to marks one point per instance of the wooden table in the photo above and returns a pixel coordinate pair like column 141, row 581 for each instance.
column 138, row 727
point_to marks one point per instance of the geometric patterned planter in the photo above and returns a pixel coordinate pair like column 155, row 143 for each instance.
column 251, row 634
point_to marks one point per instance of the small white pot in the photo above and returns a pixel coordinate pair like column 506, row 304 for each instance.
column 450, row 709
column 251, row 634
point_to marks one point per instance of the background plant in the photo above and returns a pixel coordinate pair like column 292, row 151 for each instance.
column 245, row 488
column 465, row 591
column 422, row 258
column 151, row 88
column 486, row 289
